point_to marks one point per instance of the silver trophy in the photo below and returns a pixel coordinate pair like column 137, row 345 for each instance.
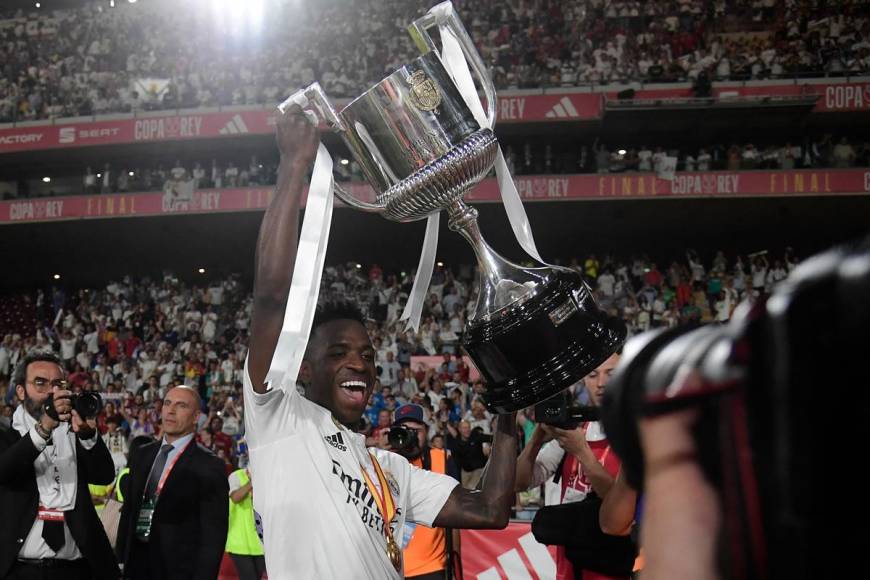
column 534, row 331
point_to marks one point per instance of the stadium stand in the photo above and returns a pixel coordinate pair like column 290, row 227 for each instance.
column 159, row 55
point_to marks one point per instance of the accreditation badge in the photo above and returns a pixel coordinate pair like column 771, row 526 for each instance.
column 143, row 520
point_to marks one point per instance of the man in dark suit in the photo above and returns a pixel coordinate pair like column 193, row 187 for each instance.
column 49, row 527
column 175, row 516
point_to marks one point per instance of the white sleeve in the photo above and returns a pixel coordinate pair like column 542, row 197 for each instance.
column 427, row 494
column 88, row 444
column 234, row 481
column 546, row 463
column 270, row 416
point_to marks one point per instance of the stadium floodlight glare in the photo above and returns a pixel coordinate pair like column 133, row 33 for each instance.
column 201, row 270
column 56, row 276
column 46, row 180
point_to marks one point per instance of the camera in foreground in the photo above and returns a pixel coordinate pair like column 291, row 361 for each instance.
column 777, row 399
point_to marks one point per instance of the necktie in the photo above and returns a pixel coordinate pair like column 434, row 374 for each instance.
column 52, row 533
column 157, row 471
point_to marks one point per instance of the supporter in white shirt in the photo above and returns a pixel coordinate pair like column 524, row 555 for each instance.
column 704, row 160
column 606, row 282
column 315, row 480
column 390, row 370
column 68, row 347
column 92, row 342
column 216, row 294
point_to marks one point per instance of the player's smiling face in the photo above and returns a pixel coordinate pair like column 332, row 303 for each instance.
column 339, row 369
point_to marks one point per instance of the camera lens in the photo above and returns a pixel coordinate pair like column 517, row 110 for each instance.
column 88, row 404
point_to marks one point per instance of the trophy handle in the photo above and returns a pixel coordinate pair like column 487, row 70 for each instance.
column 316, row 106
column 444, row 14
column 313, row 97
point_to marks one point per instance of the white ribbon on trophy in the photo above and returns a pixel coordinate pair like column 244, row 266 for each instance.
column 414, row 306
column 457, row 66
column 307, row 272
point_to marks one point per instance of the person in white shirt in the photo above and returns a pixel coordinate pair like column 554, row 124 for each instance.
column 704, row 160
column 47, row 459
column 390, row 370
column 582, row 457
column 330, row 507
column 644, row 157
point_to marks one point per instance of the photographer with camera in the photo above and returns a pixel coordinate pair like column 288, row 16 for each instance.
column 471, row 449
column 569, row 445
column 428, row 552
column 47, row 460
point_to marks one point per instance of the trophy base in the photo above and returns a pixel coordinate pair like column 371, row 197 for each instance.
column 531, row 351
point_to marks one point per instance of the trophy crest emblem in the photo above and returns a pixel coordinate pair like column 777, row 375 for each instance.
column 424, row 92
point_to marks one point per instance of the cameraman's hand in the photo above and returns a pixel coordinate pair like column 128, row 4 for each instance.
column 84, row 428
column 383, row 439
column 62, row 406
column 543, row 434
column 298, row 138
column 573, row 441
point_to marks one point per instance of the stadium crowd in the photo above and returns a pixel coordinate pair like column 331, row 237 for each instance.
column 156, row 54
column 824, row 152
column 136, row 338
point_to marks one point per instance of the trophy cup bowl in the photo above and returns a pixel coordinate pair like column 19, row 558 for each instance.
column 534, row 331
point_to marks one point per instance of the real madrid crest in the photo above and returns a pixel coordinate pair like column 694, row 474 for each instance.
column 424, row 91
column 391, row 481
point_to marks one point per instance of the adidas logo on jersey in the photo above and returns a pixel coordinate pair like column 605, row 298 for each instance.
column 562, row 110
column 336, row 441
column 234, row 126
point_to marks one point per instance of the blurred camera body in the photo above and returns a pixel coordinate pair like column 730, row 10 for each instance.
column 563, row 412
column 87, row 404
column 402, row 439
column 764, row 422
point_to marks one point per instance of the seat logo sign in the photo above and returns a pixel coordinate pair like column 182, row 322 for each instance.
column 67, row 135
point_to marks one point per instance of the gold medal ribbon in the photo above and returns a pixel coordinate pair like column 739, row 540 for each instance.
column 387, row 507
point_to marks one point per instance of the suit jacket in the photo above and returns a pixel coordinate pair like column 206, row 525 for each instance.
column 19, row 502
column 189, row 526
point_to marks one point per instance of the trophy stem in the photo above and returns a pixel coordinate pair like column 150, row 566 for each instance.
column 463, row 219
column 501, row 282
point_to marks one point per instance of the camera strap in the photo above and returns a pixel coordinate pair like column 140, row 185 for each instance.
column 426, row 458
column 557, row 477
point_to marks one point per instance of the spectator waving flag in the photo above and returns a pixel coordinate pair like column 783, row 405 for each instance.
column 151, row 88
